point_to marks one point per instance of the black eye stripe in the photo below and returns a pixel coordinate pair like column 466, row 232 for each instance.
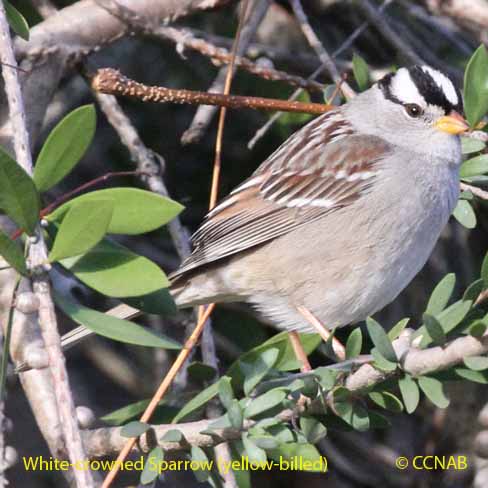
column 427, row 87
column 431, row 92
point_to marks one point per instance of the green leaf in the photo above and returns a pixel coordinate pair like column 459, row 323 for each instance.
column 449, row 319
column 410, row 392
column 289, row 119
column 235, row 414
column 354, row 344
column 484, row 270
column 476, row 376
column 473, row 290
column 397, row 329
column 264, row 441
column 441, row 294
column 474, row 166
column 83, row 228
column 286, row 359
column 115, row 271
column 201, row 371
column 18, row 195
column 476, row 363
column 361, row 72
column 312, row 429
column 173, row 435
column 386, row 400
column 470, row 145
column 464, row 214
column 65, row 146
column 135, row 211
column 264, row 402
column 257, row 370
column 378, row 421
column 202, row 471
column 151, row 466
column 254, row 453
column 476, row 86
column 113, row 327
column 197, row 402
column 381, row 362
column 304, row 457
column 433, row 391
column 434, row 329
column 360, row 418
column 381, row 340
column 477, row 329
column 11, row 252
column 134, row 429
column 16, row 20
column 122, row 415
column 159, row 302
column 226, row 394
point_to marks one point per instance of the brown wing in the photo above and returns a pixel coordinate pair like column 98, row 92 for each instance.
column 321, row 168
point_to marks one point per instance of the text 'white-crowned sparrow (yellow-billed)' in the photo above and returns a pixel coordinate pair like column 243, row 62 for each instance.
column 342, row 216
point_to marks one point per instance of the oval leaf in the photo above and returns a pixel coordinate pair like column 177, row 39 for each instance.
column 135, row 211
column 113, row 270
column 381, row 340
column 198, row 401
column 11, row 252
column 264, row 402
column 361, row 72
column 354, row 344
column 433, row 391
column 114, row 328
column 84, row 227
column 134, row 429
column 464, row 214
column 434, row 329
column 474, row 166
column 386, row 400
column 151, row 466
column 476, row 86
column 258, row 369
column 470, row 145
column 441, row 294
column 16, row 20
column 410, row 393
column 18, row 195
column 64, row 147
column 476, row 363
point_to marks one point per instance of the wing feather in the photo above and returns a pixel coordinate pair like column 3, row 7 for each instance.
column 286, row 192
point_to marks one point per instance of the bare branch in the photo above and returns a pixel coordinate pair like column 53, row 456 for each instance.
column 112, row 82
column 417, row 362
column 37, row 256
column 317, row 46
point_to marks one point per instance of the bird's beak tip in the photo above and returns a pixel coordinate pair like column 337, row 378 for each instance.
column 453, row 124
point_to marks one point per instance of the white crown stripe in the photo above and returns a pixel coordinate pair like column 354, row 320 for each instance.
column 444, row 83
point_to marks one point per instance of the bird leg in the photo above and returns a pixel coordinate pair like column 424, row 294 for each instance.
column 337, row 347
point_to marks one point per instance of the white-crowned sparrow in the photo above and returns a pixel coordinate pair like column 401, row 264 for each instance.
column 343, row 215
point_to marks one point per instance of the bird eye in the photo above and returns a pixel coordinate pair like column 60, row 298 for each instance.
column 413, row 110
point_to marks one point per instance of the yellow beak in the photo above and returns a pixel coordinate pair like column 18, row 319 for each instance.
column 452, row 124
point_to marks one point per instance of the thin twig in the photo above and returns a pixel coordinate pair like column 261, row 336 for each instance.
column 187, row 40
column 37, row 255
column 108, row 80
column 163, row 388
column 343, row 47
column 379, row 20
column 204, row 114
column 321, row 52
column 483, row 194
